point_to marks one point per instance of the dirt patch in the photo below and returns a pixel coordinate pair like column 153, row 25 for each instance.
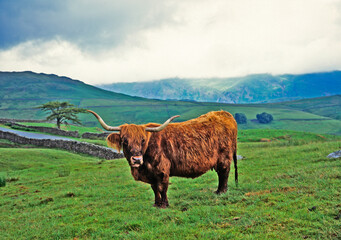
column 46, row 200
column 321, row 136
column 70, row 194
column 263, row 192
column 248, row 194
column 285, row 137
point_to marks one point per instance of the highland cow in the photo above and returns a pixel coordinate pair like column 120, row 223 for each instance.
column 187, row 149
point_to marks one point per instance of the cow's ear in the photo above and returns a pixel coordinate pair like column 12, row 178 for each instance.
column 114, row 141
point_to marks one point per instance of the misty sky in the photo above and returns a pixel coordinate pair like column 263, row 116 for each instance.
column 106, row 41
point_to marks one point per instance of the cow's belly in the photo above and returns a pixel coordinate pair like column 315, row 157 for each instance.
column 193, row 174
column 191, row 171
column 193, row 167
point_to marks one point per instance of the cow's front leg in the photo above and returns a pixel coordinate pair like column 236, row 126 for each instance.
column 160, row 191
column 157, row 195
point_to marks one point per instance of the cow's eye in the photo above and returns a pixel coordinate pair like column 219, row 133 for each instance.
column 143, row 141
column 125, row 142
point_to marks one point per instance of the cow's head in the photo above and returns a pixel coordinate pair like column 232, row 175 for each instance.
column 133, row 139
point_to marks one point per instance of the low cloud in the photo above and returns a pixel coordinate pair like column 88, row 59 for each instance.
column 130, row 41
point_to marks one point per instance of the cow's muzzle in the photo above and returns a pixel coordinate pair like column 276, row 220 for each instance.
column 136, row 161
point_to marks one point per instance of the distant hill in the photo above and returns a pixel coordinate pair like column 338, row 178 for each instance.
column 22, row 92
column 30, row 85
column 259, row 88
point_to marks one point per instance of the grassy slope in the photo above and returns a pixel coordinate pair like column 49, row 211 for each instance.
column 279, row 182
column 321, row 115
column 317, row 119
column 286, row 117
column 323, row 106
column 21, row 92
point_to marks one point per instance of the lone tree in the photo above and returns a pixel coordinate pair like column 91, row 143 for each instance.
column 264, row 117
column 240, row 118
column 62, row 112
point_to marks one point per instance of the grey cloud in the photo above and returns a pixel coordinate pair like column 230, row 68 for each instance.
column 89, row 24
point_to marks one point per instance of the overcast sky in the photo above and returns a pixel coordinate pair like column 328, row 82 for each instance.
column 106, row 41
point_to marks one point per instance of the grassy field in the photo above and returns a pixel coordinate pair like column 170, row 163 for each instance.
column 21, row 93
column 288, row 189
column 324, row 117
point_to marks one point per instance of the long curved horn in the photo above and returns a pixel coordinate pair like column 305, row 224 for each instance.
column 104, row 125
column 159, row 128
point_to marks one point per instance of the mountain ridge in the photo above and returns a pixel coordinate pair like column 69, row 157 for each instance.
column 255, row 88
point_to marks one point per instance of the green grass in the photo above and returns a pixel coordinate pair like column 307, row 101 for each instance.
column 287, row 136
column 68, row 127
column 279, row 182
column 20, row 93
column 285, row 117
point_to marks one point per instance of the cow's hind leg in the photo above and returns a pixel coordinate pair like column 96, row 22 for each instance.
column 163, row 187
column 164, row 199
column 223, row 170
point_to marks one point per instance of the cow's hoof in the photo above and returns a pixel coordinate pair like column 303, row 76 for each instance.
column 156, row 204
column 161, row 205
column 218, row 192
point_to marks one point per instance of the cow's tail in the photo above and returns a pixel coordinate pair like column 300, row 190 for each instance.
column 235, row 168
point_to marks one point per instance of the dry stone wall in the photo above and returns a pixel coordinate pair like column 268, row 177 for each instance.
column 74, row 146
column 6, row 120
column 90, row 135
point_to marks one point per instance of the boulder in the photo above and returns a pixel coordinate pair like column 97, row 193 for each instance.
column 336, row 154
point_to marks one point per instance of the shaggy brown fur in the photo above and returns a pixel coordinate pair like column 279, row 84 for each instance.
column 187, row 149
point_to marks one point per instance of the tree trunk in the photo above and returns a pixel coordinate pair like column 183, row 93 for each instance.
column 58, row 123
